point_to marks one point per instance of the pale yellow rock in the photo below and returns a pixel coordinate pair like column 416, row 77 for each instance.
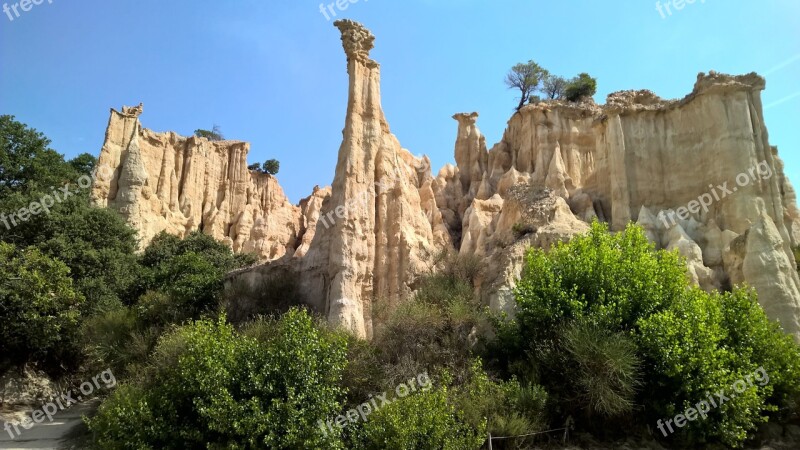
column 557, row 167
column 772, row 273
column 380, row 226
column 166, row 182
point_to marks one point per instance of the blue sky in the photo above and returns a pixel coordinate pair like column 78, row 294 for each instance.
column 273, row 72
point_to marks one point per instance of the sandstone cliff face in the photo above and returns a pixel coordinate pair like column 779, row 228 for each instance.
column 698, row 174
column 375, row 233
column 166, row 182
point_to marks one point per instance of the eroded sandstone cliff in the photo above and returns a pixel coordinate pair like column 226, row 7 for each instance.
column 166, row 182
column 673, row 166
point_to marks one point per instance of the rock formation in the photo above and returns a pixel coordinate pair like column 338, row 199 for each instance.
column 698, row 174
column 166, row 182
column 379, row 227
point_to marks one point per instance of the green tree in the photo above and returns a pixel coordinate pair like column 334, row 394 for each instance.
column 39, row 307
column 581, row 87
column 189, row 270
column 214, row 134
column 95, row 243
column 593, row 310
column 209, row 386
column 271, row 166
column 424, row 420
column 526, row 77
column 84, row 164
column 554, row 86
column 254, row 167
column 27, row 164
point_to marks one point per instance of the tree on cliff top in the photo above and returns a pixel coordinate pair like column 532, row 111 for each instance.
column 554, row 86
column 580, row 87
column 215, row 134
column 271, row 166
column 526, row 77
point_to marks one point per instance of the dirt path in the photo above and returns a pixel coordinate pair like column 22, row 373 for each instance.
column 49, row 435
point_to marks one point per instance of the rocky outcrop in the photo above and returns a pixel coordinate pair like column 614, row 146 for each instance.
column 166, row 182
column 698, row 174
column 380, row 227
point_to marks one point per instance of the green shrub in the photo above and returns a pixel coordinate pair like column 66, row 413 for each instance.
column 505, row 408
column 604, row 369
column 208, row 386
column 423, row 420
column 39, row 308
column 271, row 166
column 603, row 311
column 611, row 280
column 580, row 87
column 705, row 344
column 434, row 329
column 190, row 271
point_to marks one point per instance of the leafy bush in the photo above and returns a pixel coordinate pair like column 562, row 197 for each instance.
column 96, row 244
column 190, row 271
column 505, row 408
column 423, row 420
column 580, row 87
column 437, row 327
column 705, row 344
column 39, row 307
column 214, row 134
column 271, row 166
column 591, row 309
column 211, row 387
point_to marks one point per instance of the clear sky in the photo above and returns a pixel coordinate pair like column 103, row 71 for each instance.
column 273, row 72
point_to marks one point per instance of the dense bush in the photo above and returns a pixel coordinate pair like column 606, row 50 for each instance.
column 581, row 87
column 437, row 328
column 424, row 420
column 176, row 280
column 706, row 343
column 190, row 271
column 504, row 408
column 604, row 313
column 210, row 386
column 39, row 308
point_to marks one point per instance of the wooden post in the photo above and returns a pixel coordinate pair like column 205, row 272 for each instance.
column 490, row 441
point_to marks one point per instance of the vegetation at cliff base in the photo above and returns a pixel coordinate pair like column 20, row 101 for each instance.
column 605, row 336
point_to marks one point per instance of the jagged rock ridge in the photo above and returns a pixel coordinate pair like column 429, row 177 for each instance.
column 559, row 165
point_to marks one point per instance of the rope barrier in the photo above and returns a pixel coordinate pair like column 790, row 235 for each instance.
column 526, row 435
column 568, row 426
